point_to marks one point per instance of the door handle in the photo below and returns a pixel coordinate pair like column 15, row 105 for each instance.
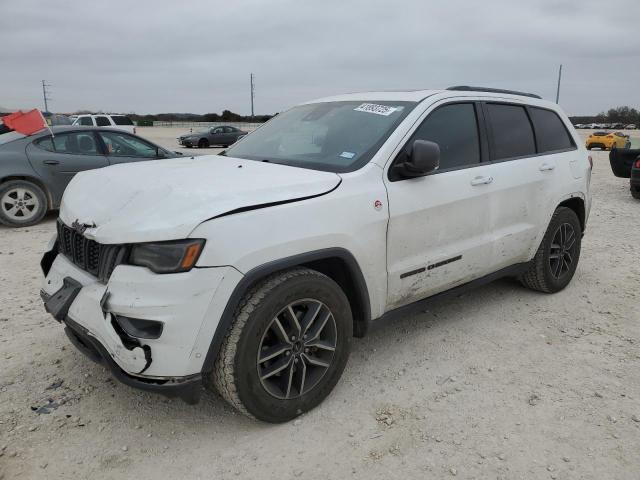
column 51, row 162
column 481, row 181
column 546, row 167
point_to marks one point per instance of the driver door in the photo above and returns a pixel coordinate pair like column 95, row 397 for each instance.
column 124, row 148
column 439, row 225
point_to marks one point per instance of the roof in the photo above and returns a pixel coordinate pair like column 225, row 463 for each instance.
column 454, row 92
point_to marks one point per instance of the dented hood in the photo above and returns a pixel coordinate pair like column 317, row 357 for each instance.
column 166, row 199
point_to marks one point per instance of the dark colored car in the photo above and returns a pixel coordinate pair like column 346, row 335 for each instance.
column 634, row 181
column 35, row 170
column 223, row 135
column 625, row 163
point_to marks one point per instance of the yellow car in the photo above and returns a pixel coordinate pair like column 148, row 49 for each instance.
column 606, row 141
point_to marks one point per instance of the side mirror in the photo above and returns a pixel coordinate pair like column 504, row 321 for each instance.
column 424, row 159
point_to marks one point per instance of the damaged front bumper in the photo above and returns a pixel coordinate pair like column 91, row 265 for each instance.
column 185, row 304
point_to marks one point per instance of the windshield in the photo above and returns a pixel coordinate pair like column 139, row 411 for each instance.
column 333, row 136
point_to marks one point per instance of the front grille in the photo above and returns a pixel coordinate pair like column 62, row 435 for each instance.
column 95, row 258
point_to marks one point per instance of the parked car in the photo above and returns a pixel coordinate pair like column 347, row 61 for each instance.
column 626, row 164
column 224, row 135
column 631, row 126
column 617, row 126
column 605, row 141
column 35, row 170
column 119, row 122
column 250, row 274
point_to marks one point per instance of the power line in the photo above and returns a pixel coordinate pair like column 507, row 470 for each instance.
column 253, row 93
column 45, row 95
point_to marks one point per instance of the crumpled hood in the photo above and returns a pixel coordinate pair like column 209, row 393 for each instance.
column 166, row 199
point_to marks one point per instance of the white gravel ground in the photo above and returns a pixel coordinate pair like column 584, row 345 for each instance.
column 499, row 383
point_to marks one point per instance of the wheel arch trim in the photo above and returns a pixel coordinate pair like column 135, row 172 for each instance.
column 362, row 317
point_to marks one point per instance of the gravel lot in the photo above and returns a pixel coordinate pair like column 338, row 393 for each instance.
column 499, row 383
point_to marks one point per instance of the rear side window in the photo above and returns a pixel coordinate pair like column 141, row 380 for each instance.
column 46, row 144
column 551, row 133
column 121, row 120
column 103, row 122
column 85, row 121
column 455, row 129
column 512, row 135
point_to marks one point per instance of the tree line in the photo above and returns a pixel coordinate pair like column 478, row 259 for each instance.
column 624, row 115
column 225, row 116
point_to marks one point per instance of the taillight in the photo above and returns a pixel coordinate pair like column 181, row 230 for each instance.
column 637, row 165
column 590, row 162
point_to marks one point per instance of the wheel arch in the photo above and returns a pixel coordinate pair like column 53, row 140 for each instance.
column 35, row 180
column 577, row 205
column 336, row 263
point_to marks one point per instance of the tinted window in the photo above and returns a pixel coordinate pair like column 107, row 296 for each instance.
column 78, row 143
column 229, row 130
column 218, row 130
column 511, row 130
column 45, row 143
column 454, row 128
column 550, row 131
column 123, row 145
column 121, row 120
column 103, row 122
column 85, row 121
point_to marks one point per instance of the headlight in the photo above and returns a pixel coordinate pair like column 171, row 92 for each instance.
column 167, row 257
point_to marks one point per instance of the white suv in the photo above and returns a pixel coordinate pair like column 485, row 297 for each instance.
column 250, row 273
column 120, row 122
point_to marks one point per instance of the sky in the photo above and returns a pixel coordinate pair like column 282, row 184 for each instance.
column 157, row 56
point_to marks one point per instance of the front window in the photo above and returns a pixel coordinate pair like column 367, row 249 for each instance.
column 332, row 136
column 123, row 145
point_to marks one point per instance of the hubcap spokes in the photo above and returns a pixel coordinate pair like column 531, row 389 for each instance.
column 19, row 203
column 563, row 250
column 297, row 348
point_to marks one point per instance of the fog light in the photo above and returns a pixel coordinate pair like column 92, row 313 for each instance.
column 138, row 328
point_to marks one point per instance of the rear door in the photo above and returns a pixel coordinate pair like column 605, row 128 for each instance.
column 124, row 148
column 527, row 169
column 58, row 159
column 438, row 235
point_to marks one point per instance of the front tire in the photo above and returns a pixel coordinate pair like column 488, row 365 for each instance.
column 203, row 143
column 287, row 348
column 556, row 260
column 22, row 203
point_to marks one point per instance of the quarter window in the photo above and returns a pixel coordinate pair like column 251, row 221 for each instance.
column 86, row 121
column 103, row 122
column 455, row 129
column 512, row 135
column 551, row 133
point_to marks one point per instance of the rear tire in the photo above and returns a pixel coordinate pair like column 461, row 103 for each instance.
column 557, row 257
column 22, row 203
column 203, row 143
column 273, row 367
column 635, row 193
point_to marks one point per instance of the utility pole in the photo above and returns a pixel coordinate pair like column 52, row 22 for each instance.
column 253, row 94
column 45, row 95
column 559, row 79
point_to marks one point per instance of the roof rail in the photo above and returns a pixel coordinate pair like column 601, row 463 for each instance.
column 466, row 88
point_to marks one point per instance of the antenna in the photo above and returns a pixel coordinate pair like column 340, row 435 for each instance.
column 253, row 94
column 45, row 95
column 559, row 79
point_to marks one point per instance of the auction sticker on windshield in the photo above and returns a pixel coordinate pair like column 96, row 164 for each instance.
column 377, row 109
